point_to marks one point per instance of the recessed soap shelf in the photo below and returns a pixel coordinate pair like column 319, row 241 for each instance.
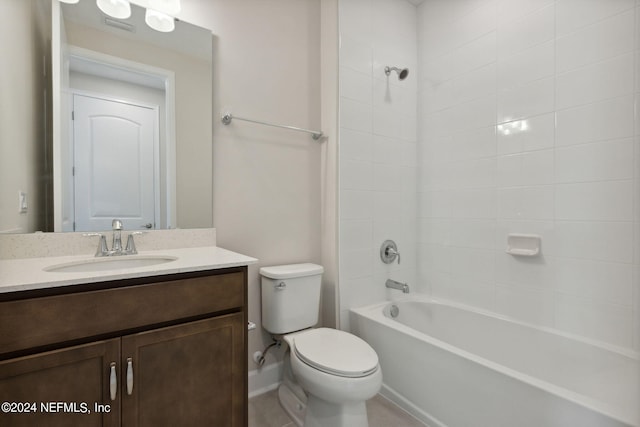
column 523, row 244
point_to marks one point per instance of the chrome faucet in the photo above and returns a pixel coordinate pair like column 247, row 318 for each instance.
column 116, row 245
column 397, row 285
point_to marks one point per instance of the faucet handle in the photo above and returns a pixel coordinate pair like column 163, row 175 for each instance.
column 389, row 252
column 131, row 244
column 102, row 244
column 116, row 224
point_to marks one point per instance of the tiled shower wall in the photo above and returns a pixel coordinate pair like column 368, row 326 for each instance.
column 377, row 158
column 527, row 124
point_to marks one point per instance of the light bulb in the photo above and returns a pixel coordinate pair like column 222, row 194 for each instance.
column 119, row 9
column 159, row 21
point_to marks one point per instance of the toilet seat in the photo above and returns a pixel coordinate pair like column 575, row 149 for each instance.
column 336, row 352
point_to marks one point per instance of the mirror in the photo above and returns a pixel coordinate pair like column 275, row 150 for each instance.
column 66, row 161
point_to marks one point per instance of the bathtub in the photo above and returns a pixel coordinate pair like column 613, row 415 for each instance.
column 453, row 366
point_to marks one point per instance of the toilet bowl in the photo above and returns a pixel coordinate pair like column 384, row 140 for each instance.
column 332, row 372
column 338, row 371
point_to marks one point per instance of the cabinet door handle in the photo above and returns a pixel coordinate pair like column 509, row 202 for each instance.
column 129, row 376
column 113, row 381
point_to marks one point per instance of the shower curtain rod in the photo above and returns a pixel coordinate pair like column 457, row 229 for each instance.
column 227, row 117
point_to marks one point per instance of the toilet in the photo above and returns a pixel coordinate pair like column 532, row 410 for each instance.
column 328, row 374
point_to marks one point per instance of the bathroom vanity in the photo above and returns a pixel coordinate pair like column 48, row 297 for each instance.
column 147, row 347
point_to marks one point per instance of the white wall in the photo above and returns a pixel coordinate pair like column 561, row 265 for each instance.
column 266, row 182
column 569, row 70
column 377, row 157
column 22, row 115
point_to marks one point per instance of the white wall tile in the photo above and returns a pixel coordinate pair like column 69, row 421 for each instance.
column 356, row 54
column 355, row 115
column 466, row 291
column 531, row 99
column 355, row 85
column 355, row 264
column 526, row 304
column 356, row 234
column 568, row 20
column 471, row 56
column 602, row 80
column 603, row 120
column 528, row 203
column 388, row 150
column 356, row 204
column 386, row 121
column 605, row 39
column 473, row 144
column 601, row 281
column 526, row 66
column 605, row 322
column 387, row 178
column 450, row 184
column 472, row 173
column 595, row 201
column 355, row 145
column 386, row 204
column 598, row 241
column 610, row 160
column 355, row 19
column 526, row 169
column 479, row 113
column 469, row 233
column 355, row 175
column 473, row 204
column 479, row 264
column 511, row 10
column 434, row 231
column 540, row 134
column 534, row 272
column 529, row 30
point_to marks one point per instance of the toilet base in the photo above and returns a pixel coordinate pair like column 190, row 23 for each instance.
column 292, row 404
column 320, row 413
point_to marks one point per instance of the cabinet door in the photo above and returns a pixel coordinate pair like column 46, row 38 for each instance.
column 191, row 374
column 76, row 376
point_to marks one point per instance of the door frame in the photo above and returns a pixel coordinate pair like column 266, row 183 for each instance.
column 156, row 146
column 169, row 163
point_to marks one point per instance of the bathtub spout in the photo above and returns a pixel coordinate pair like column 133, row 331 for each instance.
column 397, row 285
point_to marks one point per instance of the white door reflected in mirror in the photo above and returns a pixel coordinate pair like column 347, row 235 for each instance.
column 115, row 170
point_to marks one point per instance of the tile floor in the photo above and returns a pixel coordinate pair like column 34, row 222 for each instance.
column 265, row 411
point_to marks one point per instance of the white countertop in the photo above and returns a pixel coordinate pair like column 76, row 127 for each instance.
column 28, row 273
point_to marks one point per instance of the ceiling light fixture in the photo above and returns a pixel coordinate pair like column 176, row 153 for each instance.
column 69, row 1
column 159, row 21
column 119, row 9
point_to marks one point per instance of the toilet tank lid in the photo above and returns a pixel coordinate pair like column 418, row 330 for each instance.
column 291, row 270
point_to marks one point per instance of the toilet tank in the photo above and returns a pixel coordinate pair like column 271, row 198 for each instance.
column 290, row 297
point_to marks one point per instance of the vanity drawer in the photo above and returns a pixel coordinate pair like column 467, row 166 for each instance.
column 44, row 321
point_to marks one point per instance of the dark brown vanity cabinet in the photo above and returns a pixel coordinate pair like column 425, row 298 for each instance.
column 161, row 351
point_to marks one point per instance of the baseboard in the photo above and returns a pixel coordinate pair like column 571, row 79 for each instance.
column 265, row 379
column 395, row 397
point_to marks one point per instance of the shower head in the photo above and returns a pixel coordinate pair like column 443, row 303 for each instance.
column 402, row 72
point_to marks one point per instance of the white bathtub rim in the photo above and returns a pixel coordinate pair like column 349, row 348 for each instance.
column 622, row 351
column 375, row 311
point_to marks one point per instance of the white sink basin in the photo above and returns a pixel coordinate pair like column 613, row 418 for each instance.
column 107, row 264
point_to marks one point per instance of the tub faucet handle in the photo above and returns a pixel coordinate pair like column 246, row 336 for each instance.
column 389, row 252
